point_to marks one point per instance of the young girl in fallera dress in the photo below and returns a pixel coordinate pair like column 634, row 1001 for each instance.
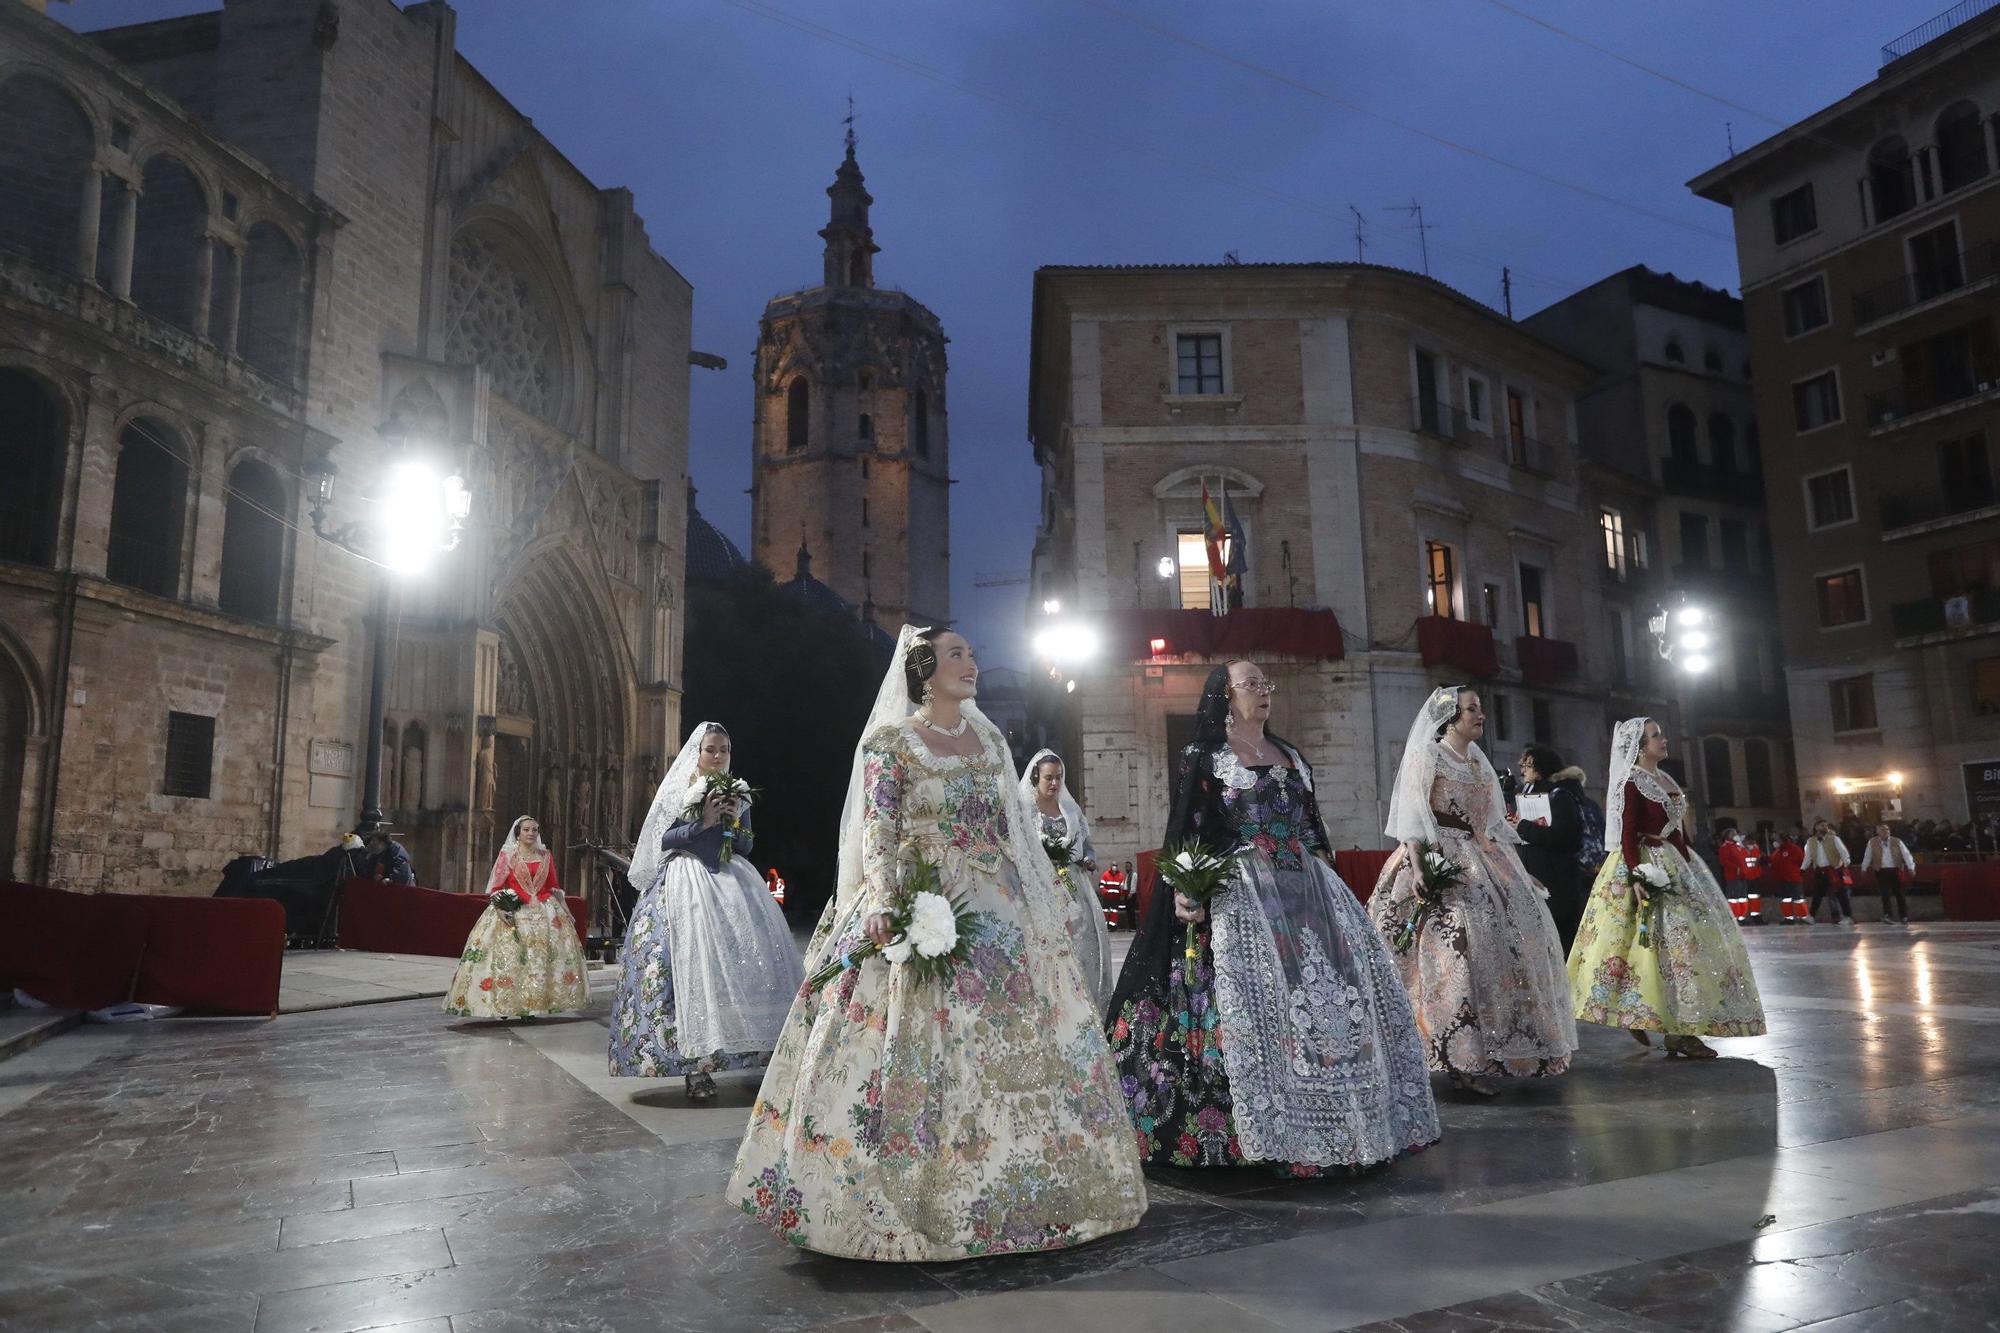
column 527, row 962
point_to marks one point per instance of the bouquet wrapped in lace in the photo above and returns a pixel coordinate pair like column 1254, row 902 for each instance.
column 1436, row 872
column 930, row 929
column 731, row 787
column 1652, row 883
column 1197, row 874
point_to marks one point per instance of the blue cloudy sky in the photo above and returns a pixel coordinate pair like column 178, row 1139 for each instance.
column 1001, row 135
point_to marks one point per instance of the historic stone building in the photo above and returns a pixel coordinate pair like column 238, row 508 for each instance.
column 1402, row 463
column 237, row 244
column 850, row 448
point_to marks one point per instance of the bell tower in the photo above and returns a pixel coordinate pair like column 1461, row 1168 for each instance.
column 850, row 445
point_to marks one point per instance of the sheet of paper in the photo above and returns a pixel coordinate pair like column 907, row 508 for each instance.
column 1532, row 809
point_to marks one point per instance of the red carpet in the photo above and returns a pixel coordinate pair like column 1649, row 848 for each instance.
column 396, row 918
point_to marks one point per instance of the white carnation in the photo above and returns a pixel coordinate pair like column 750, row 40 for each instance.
column 933, row 925
column 1652, row 875
column 1185, row 861
column 899, row 952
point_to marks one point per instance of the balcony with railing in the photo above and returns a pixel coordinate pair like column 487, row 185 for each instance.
column 1687, row 476
column 1973, row 613
column 1928, row 510
column 1973, row 271
column 1933, row 28
column 1959, row 388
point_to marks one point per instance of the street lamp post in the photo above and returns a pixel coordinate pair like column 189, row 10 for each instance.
column 1684, row 637
column 418, row 515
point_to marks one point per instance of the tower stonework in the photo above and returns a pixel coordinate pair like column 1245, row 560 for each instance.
column 851, row 459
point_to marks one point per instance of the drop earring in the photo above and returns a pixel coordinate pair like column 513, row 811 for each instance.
column 929, row 694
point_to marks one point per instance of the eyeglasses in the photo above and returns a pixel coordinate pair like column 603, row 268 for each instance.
column 1258, row 686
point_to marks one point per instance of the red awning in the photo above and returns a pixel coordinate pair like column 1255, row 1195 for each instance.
column 1245, row 633
column 1545, row 661
column 1457, row 643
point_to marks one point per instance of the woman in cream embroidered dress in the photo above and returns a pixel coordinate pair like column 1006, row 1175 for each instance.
column 1059, row 819
column 913, row 1120
column 1693, row 978
column 526, row 963
column 1485, row 971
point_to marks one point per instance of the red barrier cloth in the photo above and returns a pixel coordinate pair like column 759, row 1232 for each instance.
column 1971, row 892
column 89, row 950
column 1545, row 661
column 1360, row 869
column 1143, row 869
column 379, row 917
column 1250, row 632
column 1457, row 643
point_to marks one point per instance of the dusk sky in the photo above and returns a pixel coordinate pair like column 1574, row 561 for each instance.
column 998, row 137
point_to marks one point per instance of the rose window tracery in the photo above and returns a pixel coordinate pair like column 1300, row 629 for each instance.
column 498, row 317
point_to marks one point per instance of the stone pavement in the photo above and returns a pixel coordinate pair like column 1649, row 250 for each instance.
column 334, row 978
column 378, row 1167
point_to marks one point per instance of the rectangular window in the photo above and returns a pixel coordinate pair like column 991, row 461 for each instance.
column 1501, row 729
column 1517, row 427
column 1534, row 619
column 1694, row 540
column 864, row 511
column 1199, row 359
column 1428, row 415
column 1816, row 402
column 1192, row 552
column 1793, row 214
column 1806, row 306
column 1475, row 400
column 1840, row 599
column 1853, row 701
column 1935, row 265
column 1964, row 473
column 1829, row 499
column 190, row 755
column 1749, row 673
column 1721, row 774
column 1440, row 580
column 1639, row 548
column 1964, row 570
column 1612, row 524
column 1734, row 537
column 1489, row 604
column 1545, row 723
column 1986, row 686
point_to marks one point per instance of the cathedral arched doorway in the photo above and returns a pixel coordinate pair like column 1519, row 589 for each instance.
column 21, row 739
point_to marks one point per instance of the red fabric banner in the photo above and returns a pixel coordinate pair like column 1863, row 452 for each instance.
column 1461, row 644
column 1249, row 632
column 1545, row 661
column 398, row 918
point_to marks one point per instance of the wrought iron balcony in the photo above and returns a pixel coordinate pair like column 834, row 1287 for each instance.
column 1934, row 615
column 1967, row 271
column 1893, row 405
column 1687, row 476
column 1910, row 509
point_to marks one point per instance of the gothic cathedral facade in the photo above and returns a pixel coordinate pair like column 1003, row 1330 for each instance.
column 851, row 464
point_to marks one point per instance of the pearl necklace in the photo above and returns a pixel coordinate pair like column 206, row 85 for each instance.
column 953, row 732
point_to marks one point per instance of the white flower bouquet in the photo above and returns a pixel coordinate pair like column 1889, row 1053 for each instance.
column 1197, row 874
column 930, row 930
column 730, row 787
column 1436, row 872
column 1652, row 883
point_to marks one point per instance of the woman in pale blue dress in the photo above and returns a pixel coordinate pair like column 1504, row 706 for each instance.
column 710, row 966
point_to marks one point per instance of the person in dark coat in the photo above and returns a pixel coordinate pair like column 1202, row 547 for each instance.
column 1549, row 849
column 387, row 858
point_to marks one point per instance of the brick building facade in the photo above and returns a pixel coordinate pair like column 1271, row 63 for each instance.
column 1396, row 455
column 1868, row 237
column 850, row 447
column 236, row 243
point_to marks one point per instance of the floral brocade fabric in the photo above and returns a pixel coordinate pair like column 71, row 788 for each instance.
column 525, row 964
column 1693, row 979
column 1486, row 969
column 914, row 1120
column 1287, row 1040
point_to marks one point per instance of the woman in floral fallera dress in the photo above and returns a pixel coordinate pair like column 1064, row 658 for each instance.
column 1292, row 1044
column 526, row 963
column 1485, row 967
column 709, row 964
column 904, row 1119
column 1060, row 820
column 1692, row 978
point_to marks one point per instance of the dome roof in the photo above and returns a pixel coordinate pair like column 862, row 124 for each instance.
column 711, row 556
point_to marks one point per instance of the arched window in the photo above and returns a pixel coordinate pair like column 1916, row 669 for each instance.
column 253, row 541
column 31, row 457
column 920, row 423
column 172, row 225
column 1675, row 352
column 1721, row 779
column 1711, row 359
column 1892, row 178
column 1722, row 443
column 45, row 151
column 1680, row 435
column 798, row 411
column 1961, row 146
column 268, row 321
column 1757, row 772
column 148, row 510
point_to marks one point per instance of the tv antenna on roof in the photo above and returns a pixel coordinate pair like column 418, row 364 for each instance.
column 1360, row 237
column 1421, row 227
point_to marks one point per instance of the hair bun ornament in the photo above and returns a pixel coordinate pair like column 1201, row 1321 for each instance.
column 1444, row 703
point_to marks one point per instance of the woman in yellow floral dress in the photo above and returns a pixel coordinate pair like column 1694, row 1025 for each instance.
column 1687, row 975
column 908, row 1120
column 525, row 963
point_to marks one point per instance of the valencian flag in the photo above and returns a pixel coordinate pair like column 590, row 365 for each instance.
column 1218, row 528
column 1238, row 564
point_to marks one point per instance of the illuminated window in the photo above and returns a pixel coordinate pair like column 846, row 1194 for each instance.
column 1612, row 523
column 1192, row 553
column 1440, row 580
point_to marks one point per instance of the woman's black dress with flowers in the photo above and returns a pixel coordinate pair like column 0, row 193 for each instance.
column 1292, row 1043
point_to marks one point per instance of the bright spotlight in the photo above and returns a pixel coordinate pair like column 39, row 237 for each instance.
column 415, row 517
column 1695, row 663
column 1689, row 616
column 1066, row 642
column 1895, row 779
column 1695, row 640
column 1051, row 605
column 1165, row 567
column 1070, row 688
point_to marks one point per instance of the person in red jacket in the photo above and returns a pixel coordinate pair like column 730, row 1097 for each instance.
column 1730, row 853
column 1787, row 874
column 1753, row 876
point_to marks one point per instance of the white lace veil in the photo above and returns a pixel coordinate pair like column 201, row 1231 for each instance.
column 1626, row 738
column 1077, row 828
column 1410, row 817
column 669, row 802
column 892, row 706
column 512, row 846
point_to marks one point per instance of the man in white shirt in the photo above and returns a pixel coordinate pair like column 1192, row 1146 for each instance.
column 1889, row 858
column 1826, row 858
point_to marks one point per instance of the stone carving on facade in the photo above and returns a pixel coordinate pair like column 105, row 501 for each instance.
column 580, row 793
column 485, row 784
column 613, row 821
column 550, row 814
column 412, row 789
column 512, row 692
column 496, row 317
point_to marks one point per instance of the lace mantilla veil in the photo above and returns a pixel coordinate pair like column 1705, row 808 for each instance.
column 669, row 802
column 511, row 849
column 1410, row 817
column 1071, row 811
column 1091, row 939
column 1626, row 738
column 1049, row 906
